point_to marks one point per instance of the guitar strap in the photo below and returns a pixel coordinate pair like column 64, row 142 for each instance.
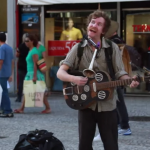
column 108, row 55
column 80, row 53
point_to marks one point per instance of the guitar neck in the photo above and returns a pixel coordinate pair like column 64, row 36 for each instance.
column 112, row 84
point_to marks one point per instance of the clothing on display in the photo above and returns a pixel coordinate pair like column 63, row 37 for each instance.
column 58, row 84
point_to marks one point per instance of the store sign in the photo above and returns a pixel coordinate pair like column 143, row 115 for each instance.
column 29, row 8
column 141, row 28
column 60, row 48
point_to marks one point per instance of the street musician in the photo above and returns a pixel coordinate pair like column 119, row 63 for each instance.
column 102, row 113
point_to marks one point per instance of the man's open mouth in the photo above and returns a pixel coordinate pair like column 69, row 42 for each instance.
column 92, row 30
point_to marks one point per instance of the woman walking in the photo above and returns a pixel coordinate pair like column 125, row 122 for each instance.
column 33, row 73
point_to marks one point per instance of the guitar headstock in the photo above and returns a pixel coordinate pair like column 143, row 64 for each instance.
column 147, row 77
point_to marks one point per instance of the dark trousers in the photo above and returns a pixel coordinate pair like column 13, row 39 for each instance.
column 123, row 118
column 21, row 75
column 107, row 124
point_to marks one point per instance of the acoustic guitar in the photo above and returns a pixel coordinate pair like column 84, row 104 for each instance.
column 98, row 88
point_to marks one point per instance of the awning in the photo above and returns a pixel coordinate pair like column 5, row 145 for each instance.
column 50, row 2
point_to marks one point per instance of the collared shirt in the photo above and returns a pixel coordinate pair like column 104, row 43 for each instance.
column 99, row 65
column 73, row 34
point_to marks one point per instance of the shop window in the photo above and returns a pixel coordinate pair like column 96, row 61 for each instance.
column 136, row 33
column 62, row 20
column 62, row 31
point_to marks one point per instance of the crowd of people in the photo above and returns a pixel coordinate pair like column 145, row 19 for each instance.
column 101, row 113
column 28, row 53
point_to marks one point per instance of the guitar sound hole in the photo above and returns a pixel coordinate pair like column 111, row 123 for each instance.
column 86, row 88
column 101, row 95
column 83, row 97
column 75, row 98
column 98, row 77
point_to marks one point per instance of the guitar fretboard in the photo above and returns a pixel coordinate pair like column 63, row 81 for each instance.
column 112, row 84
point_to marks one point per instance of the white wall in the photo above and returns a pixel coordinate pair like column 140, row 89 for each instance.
column 11, row 37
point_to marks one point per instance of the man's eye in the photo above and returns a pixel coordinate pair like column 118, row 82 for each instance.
column 92, row 22
column 99, row 24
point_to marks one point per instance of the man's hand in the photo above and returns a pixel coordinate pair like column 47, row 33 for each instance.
column 134, row 83
column 79, row 80
column 10, row 79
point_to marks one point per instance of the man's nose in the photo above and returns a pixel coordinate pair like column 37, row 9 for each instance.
column 94, row 25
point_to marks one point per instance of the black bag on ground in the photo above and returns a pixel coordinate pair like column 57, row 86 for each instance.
column 39, row 140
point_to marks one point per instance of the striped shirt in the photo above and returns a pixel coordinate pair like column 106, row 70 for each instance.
column 100, row 64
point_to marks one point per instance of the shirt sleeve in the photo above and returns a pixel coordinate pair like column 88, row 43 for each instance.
column 2, row 53
column 62, row 37
column 117, row 62
column 43, row 49
column 71, row 56
column 34, row 51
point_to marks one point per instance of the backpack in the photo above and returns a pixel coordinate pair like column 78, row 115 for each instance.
column 38, row 140
column 135, row 57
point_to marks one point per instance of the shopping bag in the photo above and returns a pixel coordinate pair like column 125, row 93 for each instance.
column 1, row 91
column 34, row 93
column 40, row 88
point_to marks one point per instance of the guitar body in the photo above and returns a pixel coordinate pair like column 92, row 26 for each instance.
column 81, row 97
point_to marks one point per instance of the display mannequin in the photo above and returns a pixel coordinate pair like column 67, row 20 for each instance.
column 71, row 33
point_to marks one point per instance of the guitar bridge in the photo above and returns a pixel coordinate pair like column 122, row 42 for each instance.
column 94, row 86
column 68, row 91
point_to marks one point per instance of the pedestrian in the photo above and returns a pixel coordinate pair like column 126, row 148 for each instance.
column 21, row 53
column 102, row 113
column 33, row 72
column 42, row 55
column 6, row 73
column 122, row 114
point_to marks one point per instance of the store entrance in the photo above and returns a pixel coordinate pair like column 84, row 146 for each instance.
column 136, row 33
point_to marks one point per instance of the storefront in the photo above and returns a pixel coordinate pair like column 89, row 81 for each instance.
column 3, row 16
column 136, row 32
column 58, row 41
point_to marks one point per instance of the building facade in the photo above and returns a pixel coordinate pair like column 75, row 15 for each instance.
column 51, row 21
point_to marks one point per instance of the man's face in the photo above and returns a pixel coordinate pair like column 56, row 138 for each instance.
column 95, row 27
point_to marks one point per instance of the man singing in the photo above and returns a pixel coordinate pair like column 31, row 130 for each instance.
column 102, row 113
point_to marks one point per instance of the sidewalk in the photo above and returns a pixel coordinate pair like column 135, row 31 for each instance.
column 138, row 107
column 63, row 123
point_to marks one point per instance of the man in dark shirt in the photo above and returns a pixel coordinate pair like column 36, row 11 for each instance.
column 21, row 53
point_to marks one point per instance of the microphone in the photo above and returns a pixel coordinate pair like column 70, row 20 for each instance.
column 91, row 42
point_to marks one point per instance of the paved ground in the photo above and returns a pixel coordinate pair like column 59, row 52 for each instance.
column 63, row 123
